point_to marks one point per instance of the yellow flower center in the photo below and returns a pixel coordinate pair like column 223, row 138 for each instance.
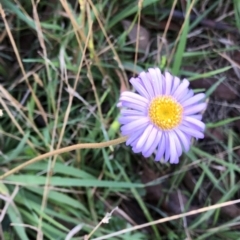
column 165, row 112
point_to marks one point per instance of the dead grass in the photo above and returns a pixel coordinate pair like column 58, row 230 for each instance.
column 63, row 65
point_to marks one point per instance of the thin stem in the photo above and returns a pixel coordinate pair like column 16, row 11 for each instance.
column 167, row 219
column 63, row 150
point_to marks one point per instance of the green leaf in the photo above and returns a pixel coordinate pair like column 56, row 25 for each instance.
column 131, row 9
column 210, row 74
column 61, row 198
column 62, row 169
column 222, row 122
column 16, row 10
column 181, row 47
column 29, row 180
column 15, row 217
column 214, row 86
column 16, row 151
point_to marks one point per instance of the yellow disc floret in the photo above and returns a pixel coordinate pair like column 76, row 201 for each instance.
column 165, row 112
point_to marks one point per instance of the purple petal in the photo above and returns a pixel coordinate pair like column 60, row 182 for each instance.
column 190, row 125
column 155, row 81
column 147, row 84
column 134, row 136
column 181, row 89
column 167, row 150
column 161, row 148
column 132, row 100
column 160, row 79
column 133, row 143
column 154, row 145
column 190, row 131
column 134, row 106
column 183, row 139
column 197, row 116
column 125, row 120
column 195, row 122
column 177, row 143
column 163, row 85
column 136, row 150
column 129, row 101
column 119, row 104
column 168, row 81
column 137, row 84
column 135, row 96
column 173, row 150
column 130, row 112
column 134, row 126
column 176, row 82
column 186, row 95
column 194, row 108
column 143, row 138
column 193, row 100
column 151, row 139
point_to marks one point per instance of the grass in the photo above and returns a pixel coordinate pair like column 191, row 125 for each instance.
column 63, row 66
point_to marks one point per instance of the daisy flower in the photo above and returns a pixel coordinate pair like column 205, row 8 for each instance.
column 162, row 116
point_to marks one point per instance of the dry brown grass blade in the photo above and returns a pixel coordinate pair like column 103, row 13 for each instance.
column 63, row 150
column 16, row 123
column 168, row 219
column 167, row 25
column 19, row 60
column 41, row 38
column 20, row 109
column 140, row 3
column 52, row 164
column 180, row 32
column 116, row 57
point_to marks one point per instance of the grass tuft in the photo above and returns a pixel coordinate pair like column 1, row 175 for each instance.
column 63, row 65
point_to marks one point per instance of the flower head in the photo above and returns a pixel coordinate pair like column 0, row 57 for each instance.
column 162, row 117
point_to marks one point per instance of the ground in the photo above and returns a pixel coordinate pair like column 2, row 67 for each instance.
column 63, row 67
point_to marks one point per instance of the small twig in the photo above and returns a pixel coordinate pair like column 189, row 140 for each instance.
column 184, row 218
column 75, row 230
column 116, row 57
column 167, row 26
column 104, row 220
column 167, row 219
column 204, row 22
column 63, row 150
column 140, row 2
column 9, row 201
column 28, row 226
column 180, row 32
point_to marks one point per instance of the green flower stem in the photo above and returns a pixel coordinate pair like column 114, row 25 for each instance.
column 63, row 150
